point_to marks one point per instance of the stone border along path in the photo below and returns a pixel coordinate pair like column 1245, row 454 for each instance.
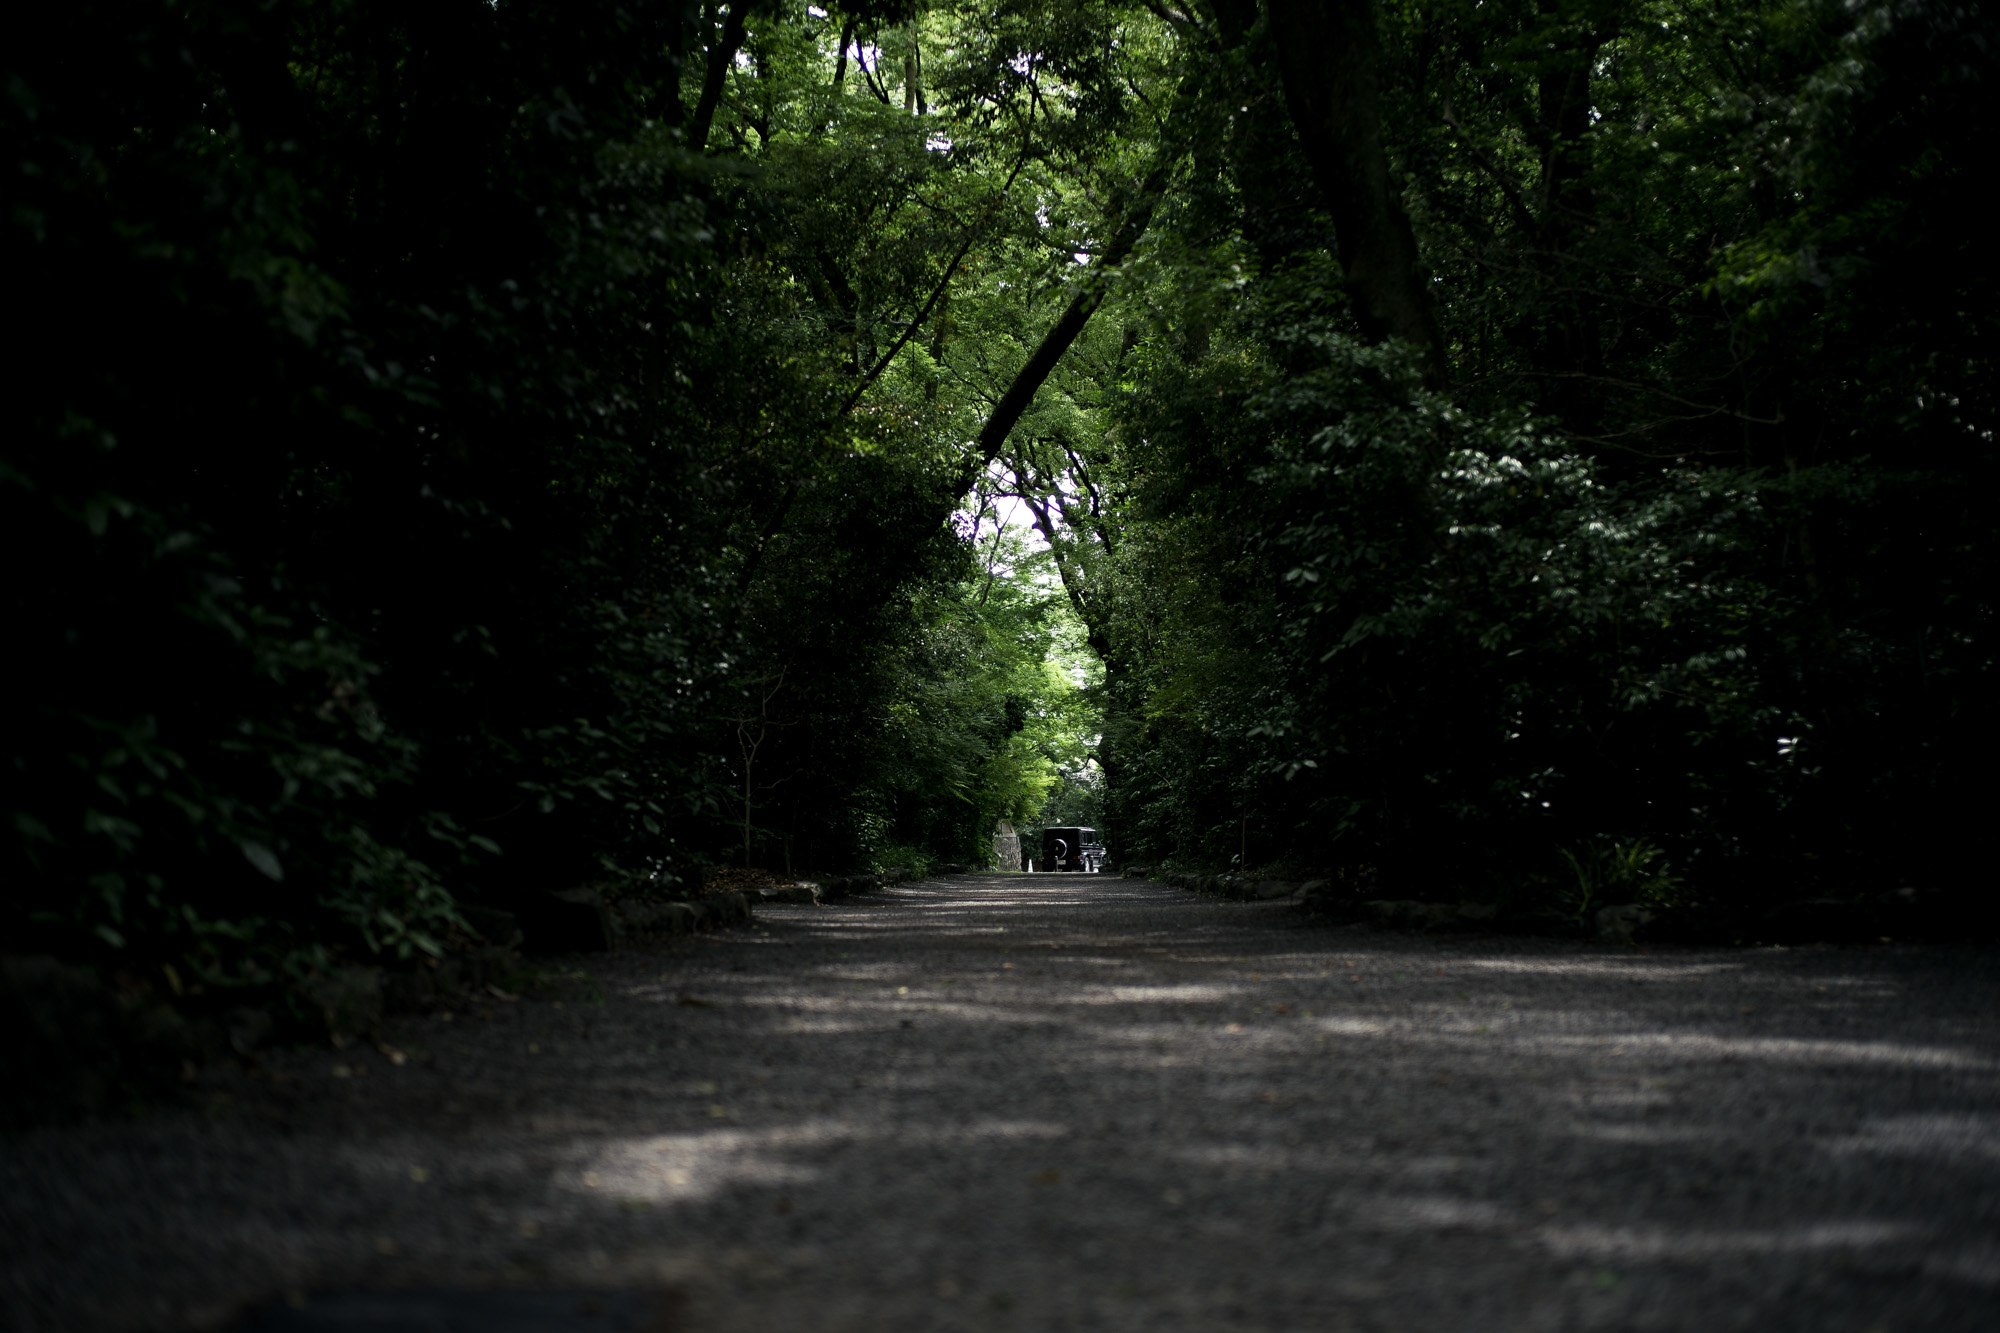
column 1060, row 1102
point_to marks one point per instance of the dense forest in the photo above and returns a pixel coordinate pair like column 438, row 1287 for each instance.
column 1521, row 450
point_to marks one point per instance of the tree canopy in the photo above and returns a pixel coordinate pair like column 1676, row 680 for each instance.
column 1496, row 449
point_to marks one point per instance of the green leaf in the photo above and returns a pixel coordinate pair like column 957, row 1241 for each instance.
column 266, row 860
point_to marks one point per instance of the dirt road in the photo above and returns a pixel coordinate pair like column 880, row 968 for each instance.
column 1065, row 1102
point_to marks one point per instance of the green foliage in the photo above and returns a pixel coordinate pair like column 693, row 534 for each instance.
column 433, row 475
column 1683, row 554
column 1608, row 873
column 899, row 857
column 386, row 442
column 1425, row 638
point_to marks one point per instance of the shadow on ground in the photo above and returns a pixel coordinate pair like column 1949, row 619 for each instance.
column 1054, row 1102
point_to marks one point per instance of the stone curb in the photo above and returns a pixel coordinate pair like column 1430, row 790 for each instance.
column 84, row 1047
column 1881, row 919
column 823, row 889
column 1235, row 887
column 1614, row 924
column 642, row 920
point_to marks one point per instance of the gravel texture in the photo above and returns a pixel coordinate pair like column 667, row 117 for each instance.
column 1075, row 1102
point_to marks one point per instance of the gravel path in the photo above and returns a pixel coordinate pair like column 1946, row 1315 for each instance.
column 1063, row 1102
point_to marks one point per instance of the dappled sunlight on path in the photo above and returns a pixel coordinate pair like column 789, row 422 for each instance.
column 1053, row 1102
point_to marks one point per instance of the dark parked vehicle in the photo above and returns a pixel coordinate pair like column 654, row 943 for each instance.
column 1073, row 849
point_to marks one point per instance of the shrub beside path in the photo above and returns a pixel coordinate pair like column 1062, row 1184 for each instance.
column 1073, row 1102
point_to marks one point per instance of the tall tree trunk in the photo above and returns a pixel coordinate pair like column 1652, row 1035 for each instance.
column 913, row 76
column 840, row 65
column 1328, row 51
column 1567, row 345
column 721, row 56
